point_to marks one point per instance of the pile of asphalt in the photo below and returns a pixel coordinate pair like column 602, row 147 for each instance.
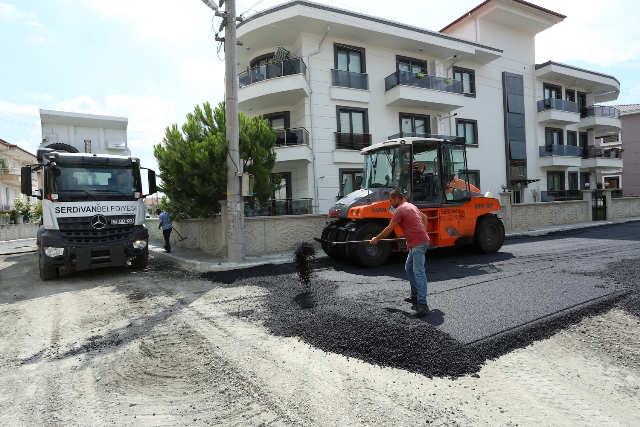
column 332, row 321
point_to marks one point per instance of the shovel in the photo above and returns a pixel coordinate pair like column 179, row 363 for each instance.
column 181, row 238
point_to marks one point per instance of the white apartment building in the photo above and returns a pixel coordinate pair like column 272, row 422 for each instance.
column 12, row 158
column 345, row 80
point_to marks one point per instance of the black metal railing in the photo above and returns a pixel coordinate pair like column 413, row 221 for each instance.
column 560, row 195
column 288, row 67
column 289, row 137
column 427, row 135
column 560, row 150
column 616, row 193
column 275, row 207
column 425, row 81
column 600, row 111
column 350, row 79
column 352, row 141
column 558, row 104
column 593, row 152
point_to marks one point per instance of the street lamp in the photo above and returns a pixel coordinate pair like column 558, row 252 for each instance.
column 504, row 187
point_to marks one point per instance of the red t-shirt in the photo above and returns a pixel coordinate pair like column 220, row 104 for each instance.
column 410, row 220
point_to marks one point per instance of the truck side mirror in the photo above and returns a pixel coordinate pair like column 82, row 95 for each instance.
column 152, row 181
column 25, row 180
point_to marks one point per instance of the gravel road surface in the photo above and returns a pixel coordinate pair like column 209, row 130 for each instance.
column 258, row 347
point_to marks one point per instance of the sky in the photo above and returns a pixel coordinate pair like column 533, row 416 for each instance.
column 152, row 61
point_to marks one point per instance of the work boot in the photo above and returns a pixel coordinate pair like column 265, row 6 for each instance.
column 421, row 310
column 412, row 299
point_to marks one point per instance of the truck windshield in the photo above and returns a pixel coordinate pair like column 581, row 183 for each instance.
column 90, row 179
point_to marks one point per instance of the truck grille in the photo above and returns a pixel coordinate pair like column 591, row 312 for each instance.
column 78, row 231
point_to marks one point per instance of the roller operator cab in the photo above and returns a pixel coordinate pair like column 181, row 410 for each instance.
column 432, row 174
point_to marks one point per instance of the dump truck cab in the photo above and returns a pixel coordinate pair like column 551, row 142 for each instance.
column 432, row 174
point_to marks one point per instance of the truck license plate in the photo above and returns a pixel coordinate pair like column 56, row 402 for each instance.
column 121, row 221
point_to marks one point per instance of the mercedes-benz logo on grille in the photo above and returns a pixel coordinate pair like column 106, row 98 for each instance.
column 99, row 222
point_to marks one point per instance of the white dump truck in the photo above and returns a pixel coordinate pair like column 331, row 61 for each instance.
column 92, row 195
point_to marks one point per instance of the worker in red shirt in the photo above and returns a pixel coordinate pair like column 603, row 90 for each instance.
column 414, row 226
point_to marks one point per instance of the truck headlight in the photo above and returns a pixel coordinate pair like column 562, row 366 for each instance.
column 51, row 252
column 140, row 244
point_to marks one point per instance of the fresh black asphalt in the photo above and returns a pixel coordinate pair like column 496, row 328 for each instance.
column 482, row 306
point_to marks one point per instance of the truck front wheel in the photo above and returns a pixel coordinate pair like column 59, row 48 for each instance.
column 365, row 254
column 47, row 273
column 489, row 235
column 140, row 262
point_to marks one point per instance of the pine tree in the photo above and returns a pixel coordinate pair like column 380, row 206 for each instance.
column 193, row 163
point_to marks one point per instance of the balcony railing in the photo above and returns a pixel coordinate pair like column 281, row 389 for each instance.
column 9, row 171
column 427, row 135
column 352, row 141
column 593, row 152
column 600, row 111
column 276, row 207
column 260, row 73
column 425, row 81
column 560, row 195
column 290, row 137
column 350, row 79
column 560, row 150
column 558, row 104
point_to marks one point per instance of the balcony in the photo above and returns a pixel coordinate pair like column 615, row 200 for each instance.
column 601, row 118
column 599, row 159
column 417, row 90
column 558, row 111
column 350, row 79
column 426, row 135
column 352, row 141
column 560, row 156
column 286, row 79
column 292, row 145
column 9, row 175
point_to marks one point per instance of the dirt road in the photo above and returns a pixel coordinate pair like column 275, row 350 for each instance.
column 166, row 347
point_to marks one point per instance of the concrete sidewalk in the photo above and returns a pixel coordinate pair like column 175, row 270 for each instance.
column 193, row 259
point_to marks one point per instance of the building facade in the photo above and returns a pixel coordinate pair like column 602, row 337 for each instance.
column 12, row 158
column 332, row 81
column 628, row 145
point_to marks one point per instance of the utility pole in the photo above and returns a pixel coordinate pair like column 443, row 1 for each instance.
column 235, row 208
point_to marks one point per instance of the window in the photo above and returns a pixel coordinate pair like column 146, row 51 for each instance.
column 471, row 176
column 572, row 138
column 262, row 60
column 278, row 121
column 468, row 129
column 553, row 136
column 349, row 67
column 411, row 65
column 582, row 100
column 573, row 181
column 414, row 124
column 555, row 181
column 522, row 171
column 584, row 179
column 349, row 58
column 468, row 79
column 348, row 181
column 570, row 95
column 551, row 91
column 283, row 190
column 353, row 128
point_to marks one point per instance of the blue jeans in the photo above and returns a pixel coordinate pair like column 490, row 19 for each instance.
column 415, row 271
